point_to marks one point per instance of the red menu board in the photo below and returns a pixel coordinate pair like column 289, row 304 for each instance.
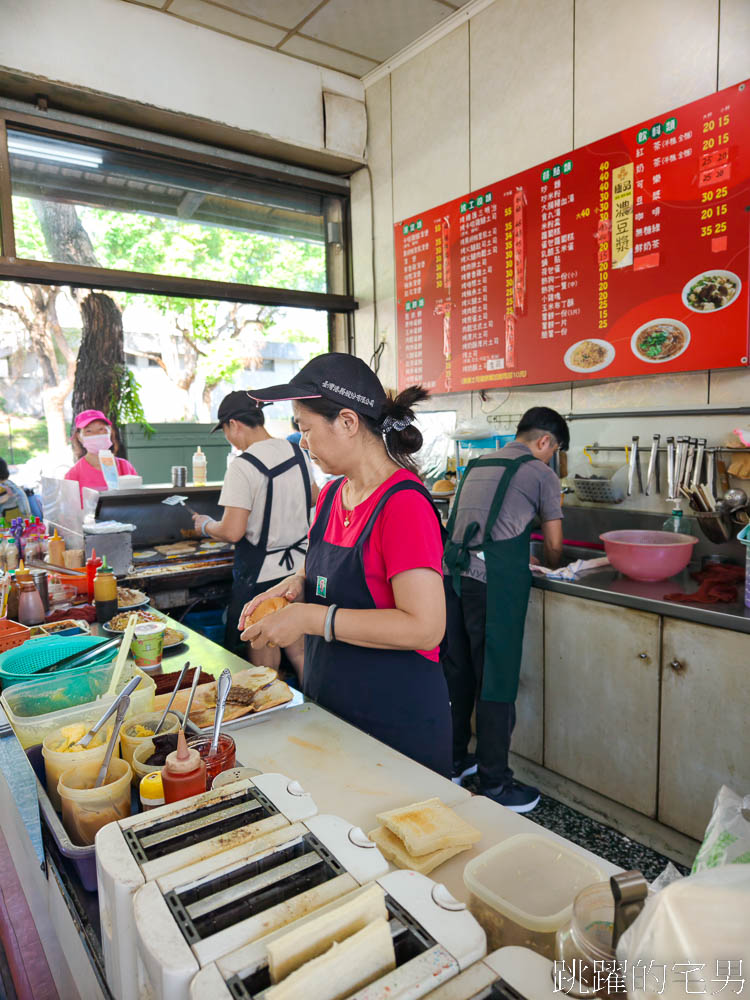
column 625, row 257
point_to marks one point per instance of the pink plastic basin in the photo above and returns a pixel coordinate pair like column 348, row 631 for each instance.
column 648, row 555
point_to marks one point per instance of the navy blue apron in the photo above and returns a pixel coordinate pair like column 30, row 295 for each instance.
column 397, row 696
column 249, row 558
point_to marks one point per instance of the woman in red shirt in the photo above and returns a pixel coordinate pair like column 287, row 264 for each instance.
column 370, row 602
column 93, row 433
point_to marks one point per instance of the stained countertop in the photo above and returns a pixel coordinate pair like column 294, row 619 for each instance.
column 610, row 587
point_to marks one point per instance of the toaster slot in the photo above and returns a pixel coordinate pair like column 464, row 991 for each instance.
column 409, row 941
column 173, row 834
column 217, row 903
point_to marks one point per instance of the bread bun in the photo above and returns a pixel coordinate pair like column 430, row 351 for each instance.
column 266, row 607
column 443, row 486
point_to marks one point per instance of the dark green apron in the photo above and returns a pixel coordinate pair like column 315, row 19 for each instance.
column 508, row 585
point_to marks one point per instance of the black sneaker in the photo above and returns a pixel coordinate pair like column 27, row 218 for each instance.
column 515, row 796
column 464, row 767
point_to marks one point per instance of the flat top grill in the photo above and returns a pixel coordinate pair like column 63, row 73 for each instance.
column 410, row 939
column 170, row 835
column 215, row 904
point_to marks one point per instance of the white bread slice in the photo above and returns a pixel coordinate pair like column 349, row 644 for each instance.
column 429, row 826
column 343, row 969
column 393, row 849
column 302, row 943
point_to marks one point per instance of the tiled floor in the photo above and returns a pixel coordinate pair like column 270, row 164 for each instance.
column 602, row 840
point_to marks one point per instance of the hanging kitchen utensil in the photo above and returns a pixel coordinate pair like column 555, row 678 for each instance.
column 223, row 687
column 670, row 469
column 122, row 709
column 680, row 462
column 710, row 479
column 634, row 467
column 689, row 462
column 172, row 697
column 123, row 654
column 698, row 469
column 652, row 464
column 124, row 695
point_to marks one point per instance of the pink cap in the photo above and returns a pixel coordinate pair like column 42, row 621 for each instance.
column 89, row 416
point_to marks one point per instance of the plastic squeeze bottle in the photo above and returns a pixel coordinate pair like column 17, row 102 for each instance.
column 55, row 550
column 92, row 564
column 184, row 773
column 199, row 468
column 105, row 593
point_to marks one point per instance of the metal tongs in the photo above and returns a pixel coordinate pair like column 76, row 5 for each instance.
column 124, row 695
column 223, row 686
column 634, row 467
column 122, row 709
column 652, row 479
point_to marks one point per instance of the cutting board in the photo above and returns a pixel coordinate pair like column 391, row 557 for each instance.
column 496, row 824
column 347, row 772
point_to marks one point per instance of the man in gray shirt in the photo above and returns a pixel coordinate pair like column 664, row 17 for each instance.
column 487, row 587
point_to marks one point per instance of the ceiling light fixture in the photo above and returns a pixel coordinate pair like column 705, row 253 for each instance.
column 58, row 153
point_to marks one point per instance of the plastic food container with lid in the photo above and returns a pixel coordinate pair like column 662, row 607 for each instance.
column 38, row 707
column 522, row 890
column 85, row 809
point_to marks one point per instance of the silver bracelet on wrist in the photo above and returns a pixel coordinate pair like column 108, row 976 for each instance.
column 204, row 526
column 327, row 633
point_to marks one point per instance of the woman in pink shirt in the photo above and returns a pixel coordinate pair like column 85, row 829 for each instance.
column 370, row 601
column 93, row 433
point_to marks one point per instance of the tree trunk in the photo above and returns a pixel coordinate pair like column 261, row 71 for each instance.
column 66, row 239
column 100, row 356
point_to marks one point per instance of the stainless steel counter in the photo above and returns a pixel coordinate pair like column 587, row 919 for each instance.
column 610, row 587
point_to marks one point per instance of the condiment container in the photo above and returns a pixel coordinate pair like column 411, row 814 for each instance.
column 199, row 467
column 139, row 728
column 85, row 809
column 105, row 593
column 55, row 550
column 57, row 760
column 151, row 791
column 586, row 940
column 141, row 753
column 30, row 606
column 147, row 644
column 184, row 773
column 92, row 565
column 222, row 760
column 522, row 890
column 179, row 475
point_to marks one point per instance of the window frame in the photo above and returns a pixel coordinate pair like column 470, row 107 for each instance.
column 15, row 268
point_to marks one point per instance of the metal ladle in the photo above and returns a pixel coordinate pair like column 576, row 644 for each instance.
column 223, row 687
column 122, row 708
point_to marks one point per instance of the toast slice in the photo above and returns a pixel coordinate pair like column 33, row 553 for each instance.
column 429, row 826
column 273, row 694
column 303, row 943
column 393, row 849
column 343, row 969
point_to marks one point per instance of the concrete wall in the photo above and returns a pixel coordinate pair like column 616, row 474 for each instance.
column 139, row 55
column 554, row 75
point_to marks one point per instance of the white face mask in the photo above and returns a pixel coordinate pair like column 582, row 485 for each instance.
column 95, row 443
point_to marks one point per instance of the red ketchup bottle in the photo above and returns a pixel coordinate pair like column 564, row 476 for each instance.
column 92, row 564
column 184, row 773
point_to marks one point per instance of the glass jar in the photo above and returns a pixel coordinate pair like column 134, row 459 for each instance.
column 584, row 945
column 222, row 760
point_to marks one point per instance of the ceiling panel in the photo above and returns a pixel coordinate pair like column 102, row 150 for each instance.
column 377, row 29
column 286, row 13
column 352, row 36
column 325, row 55
column 219, row 19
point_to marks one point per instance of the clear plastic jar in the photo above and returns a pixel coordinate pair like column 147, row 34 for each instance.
column 222, row 760
column 585, row 944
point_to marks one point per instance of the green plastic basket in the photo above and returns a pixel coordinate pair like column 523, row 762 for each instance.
column 21, row 664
